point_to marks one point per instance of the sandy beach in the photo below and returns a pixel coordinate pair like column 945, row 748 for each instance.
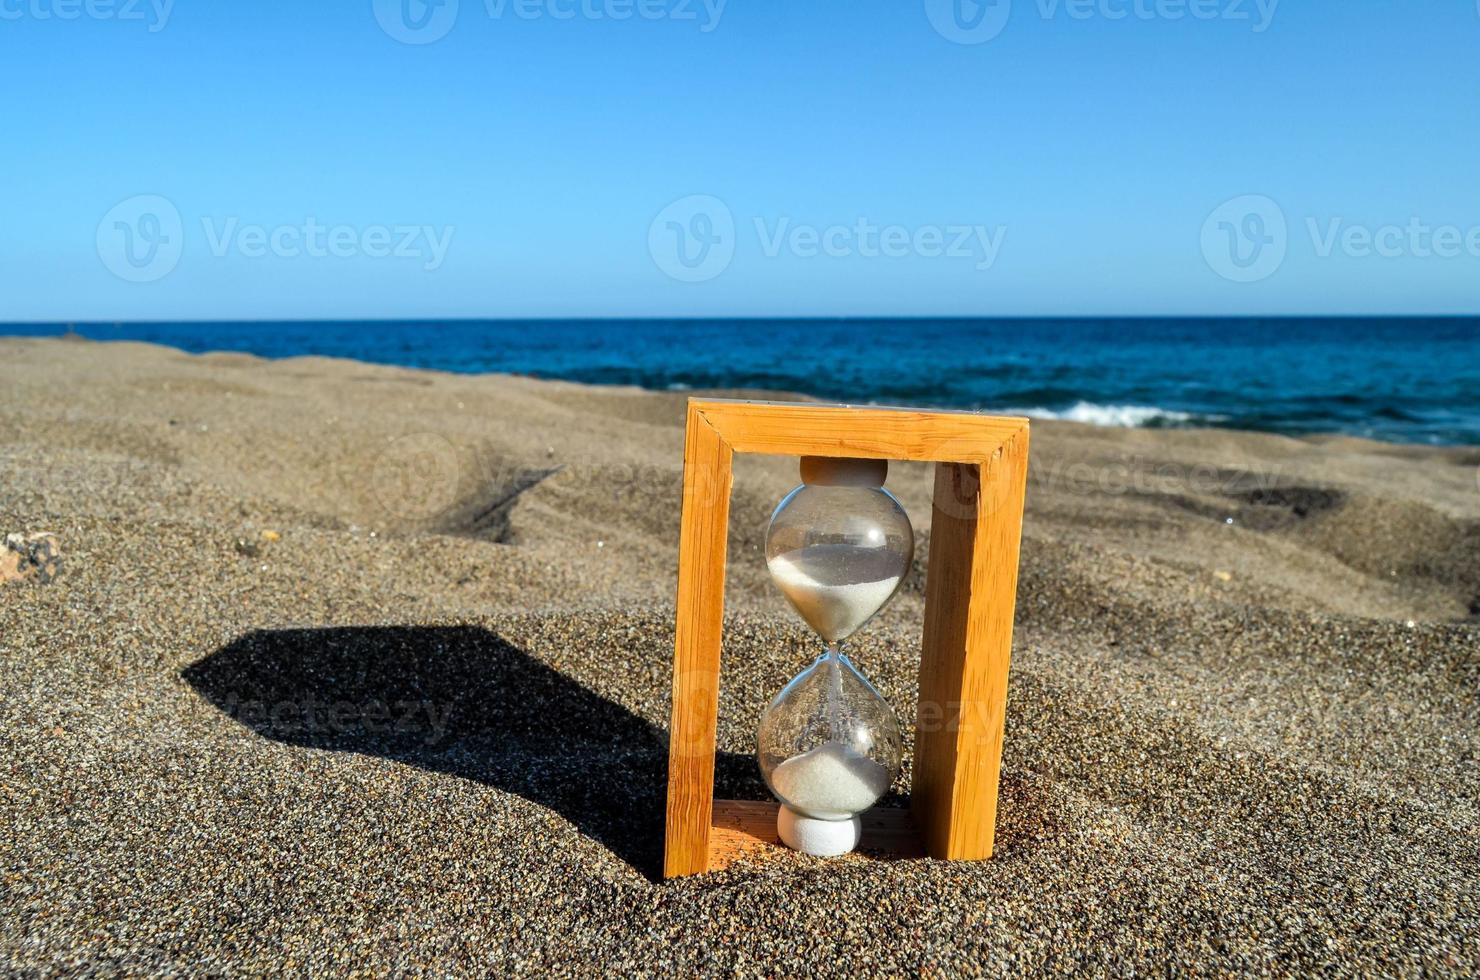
column 353, row 667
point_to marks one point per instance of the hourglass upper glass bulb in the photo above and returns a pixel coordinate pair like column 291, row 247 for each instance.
column 839, row 545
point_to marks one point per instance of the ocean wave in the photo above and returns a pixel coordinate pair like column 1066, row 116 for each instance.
column 1118, row 416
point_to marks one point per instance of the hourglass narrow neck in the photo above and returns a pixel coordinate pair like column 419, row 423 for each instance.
column 833, row 652
column 834, row 661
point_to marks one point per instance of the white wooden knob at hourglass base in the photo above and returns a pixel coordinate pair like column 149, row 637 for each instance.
column 820, row 838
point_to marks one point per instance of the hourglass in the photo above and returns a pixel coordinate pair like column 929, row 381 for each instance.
column 838, row 546
column 828, row 746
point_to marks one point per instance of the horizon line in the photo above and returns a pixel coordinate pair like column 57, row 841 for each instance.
column 883, row 317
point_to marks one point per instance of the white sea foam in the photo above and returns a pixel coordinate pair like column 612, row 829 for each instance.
column 1121, row 416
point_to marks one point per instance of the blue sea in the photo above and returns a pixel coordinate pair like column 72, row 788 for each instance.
column 1398, row 379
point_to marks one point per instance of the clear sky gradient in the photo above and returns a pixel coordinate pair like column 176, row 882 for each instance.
column 527, row 161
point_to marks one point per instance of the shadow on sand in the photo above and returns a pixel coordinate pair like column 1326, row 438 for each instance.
column 463, row 701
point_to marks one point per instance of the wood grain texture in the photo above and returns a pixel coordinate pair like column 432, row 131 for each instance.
column 746, row 828
column 943, row 649
column 970, row 598
column 803, row 428
column 701, row 586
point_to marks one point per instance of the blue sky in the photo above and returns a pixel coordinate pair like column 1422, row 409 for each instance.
column 201, row 159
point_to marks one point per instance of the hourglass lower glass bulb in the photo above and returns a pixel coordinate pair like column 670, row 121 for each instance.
column 829, row 747
column 829, row 744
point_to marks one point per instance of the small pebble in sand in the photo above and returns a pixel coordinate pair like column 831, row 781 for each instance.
column 30, row 556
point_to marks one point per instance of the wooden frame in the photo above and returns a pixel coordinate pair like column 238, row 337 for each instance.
column 970, row 596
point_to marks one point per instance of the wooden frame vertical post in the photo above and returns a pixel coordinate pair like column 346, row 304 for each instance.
column 970, row 598
column 701, row 596
column 971, row 587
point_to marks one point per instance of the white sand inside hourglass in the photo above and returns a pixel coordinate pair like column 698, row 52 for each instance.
column 817, row 582
column 831, row 782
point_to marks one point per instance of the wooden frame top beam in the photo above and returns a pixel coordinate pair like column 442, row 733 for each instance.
column 870, row 432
